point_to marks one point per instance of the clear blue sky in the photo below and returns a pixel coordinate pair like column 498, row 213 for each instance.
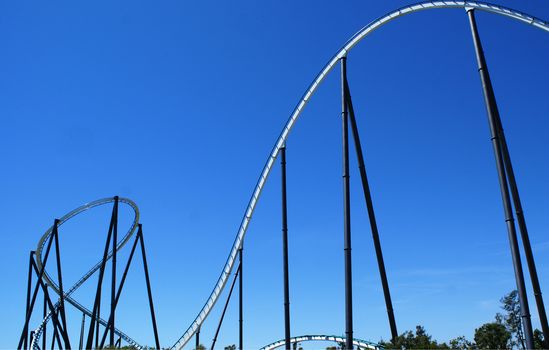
column 177, row 104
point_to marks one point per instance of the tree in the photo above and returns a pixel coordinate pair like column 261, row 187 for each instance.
column 492, row 336
column 461, row 343
column 538, row 339
column 200, row 347
column 230, row 347
column 512, row 320
column 409, row 340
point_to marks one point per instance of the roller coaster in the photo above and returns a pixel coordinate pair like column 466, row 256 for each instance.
column 35, row 338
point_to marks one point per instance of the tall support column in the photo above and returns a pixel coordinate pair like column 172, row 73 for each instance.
column 285, row 251
column 346, row 213
column 491, row 107
column 113, row 277
column 225, row 309
column 97, row 302
column 61, row 309
column 524, row 235
column 371, row 215
column 197, row 339
column 149, row 292
column 240, row 306
column 44, row 330
column 120, row 287
column 27, row 304
column 35, row 292
column 82, row 332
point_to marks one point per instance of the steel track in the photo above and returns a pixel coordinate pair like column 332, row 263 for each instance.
column 222, row 280
column 281, row 141
column 67, row 295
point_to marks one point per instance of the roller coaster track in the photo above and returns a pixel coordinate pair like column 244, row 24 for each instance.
column 359, row 343
column 355, row 39
column 49, row 281
column 230, row 262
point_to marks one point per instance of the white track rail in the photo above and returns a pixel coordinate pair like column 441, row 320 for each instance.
column 499, row 10
column 359, row 343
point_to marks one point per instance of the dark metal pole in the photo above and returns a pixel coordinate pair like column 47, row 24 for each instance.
column 97, row 323
column 371, row 215
column 61, row 308
column 119, row 291
column 197, row 339
column 225, row 309
column 113, row 280
column 34, row 293
column 524, row 233
column 491, row 108
column 149, row 292
column 96, row 305
column 27, row 305
column 55, row 319
column 240, row 306
column 346, row 213
column 44, row 331
column 285, row 251
column 82, row 332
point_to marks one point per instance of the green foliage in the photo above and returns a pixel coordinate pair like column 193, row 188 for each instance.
column 511, row 320
column 200, row 347
column 331, row 348
column 230, row 347
column 418, row 340
column 492, row 336
column 538, row 339
column 461, row 343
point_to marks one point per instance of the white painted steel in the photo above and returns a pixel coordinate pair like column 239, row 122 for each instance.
column 360, row 344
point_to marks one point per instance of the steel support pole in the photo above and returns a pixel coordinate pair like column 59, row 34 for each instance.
column 44, row 330
column 240, row 307
column 149, row 292
column 97, row 324
column 197, row 339
column 346, row 212
column 27, row 304
column 491, row 107
column 524, row 233
column 55, row 319
column 285, row 251
column 61, row 308
column 96, row 305
column 34, row 293
column 371, row 214
column 113, row 279
column 119, row 290
column 224, row 309
column 81, row 342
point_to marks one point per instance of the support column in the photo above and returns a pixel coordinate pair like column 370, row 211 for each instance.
column 82, row 332
column 491, row 107
column 346, row 213
column 285, row 251
column 371, row 215
column 524, row 234
column 97, row 303
column 27, row 304
column 225, row 309
column 149, row 292
column 113, row 277
column 197, row 339
column 240, row 307
column 61, row 308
